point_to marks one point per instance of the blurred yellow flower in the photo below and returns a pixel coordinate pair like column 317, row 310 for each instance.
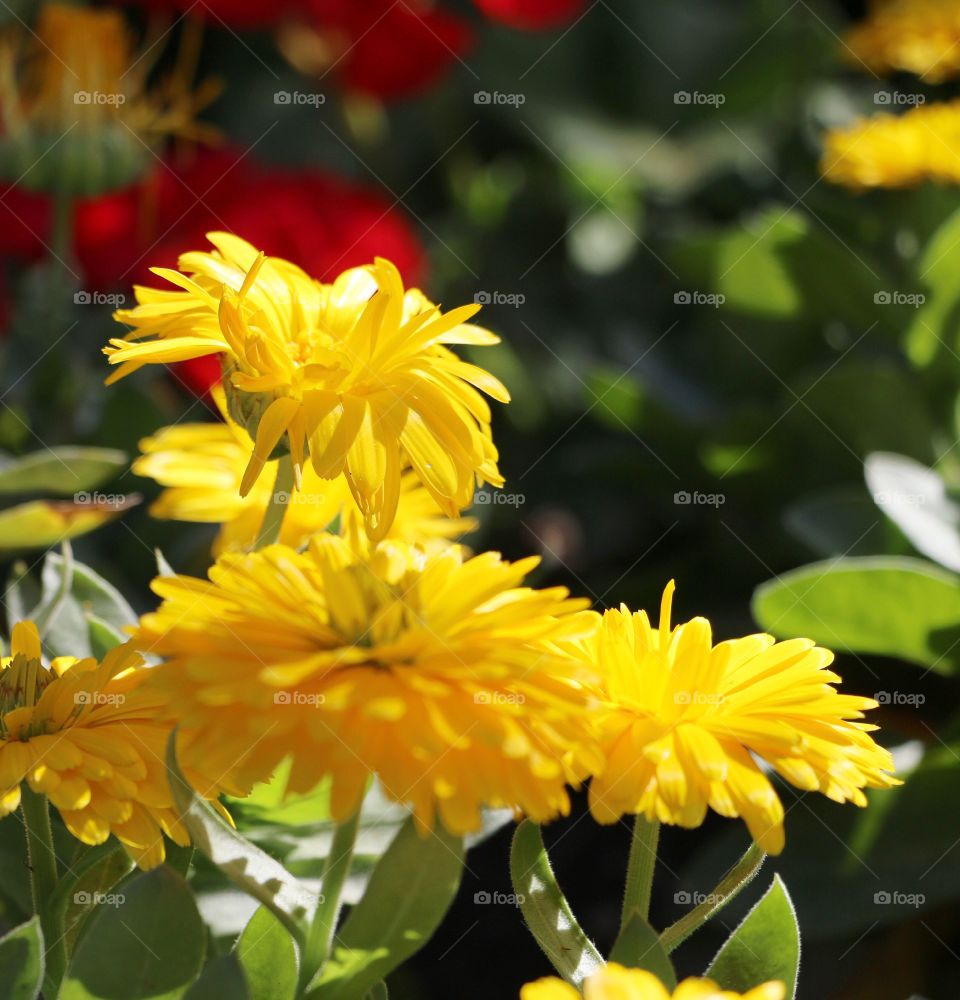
column 614, row 982
column 686, row 719
column 201, row 466
column 919, row 36
column 446, row 677
column 355, row 373
column 896, row 151
column 76, row 82
column 88, row 735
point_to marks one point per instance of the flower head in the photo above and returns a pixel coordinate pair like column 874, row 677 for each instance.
column 357, row 373
column 614, row 982
column 919, row 36
column 77, row 83
column 532, row 15
column 896, row 151
column 446, row 677
column 685, row 720
column 88, row 735
column 202, row 465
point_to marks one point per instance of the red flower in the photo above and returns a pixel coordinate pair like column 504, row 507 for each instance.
column 322, row 222
column 388, row 48
column 532, row 15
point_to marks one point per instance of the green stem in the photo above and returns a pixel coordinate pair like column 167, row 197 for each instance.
column 336, row 868
column 43, row 881
column 279, row 501
column 640, row 869
column 739, row 876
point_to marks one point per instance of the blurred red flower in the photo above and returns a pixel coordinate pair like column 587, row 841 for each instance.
column 532, row 15
column 386, row 48
column 322, row 222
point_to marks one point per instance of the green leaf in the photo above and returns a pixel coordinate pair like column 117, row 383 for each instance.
column 267, row 954
column 937, row 320
column 61, row 471
column 21, row 962
column 409, row 893
column 253, row 871
column 766, row 946
column 221, row 977
column 84, row 614
column 146, row 941
column 892, row 606
column 545, row 909
column 639, row 947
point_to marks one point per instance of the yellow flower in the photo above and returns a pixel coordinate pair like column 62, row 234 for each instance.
column 201, row 466
column 896, row 151
column 356, row 372
column 447, row 678
column 614, row 982
column 76, row 82
column 686, row 719
column 919, row 36
column 88, row 735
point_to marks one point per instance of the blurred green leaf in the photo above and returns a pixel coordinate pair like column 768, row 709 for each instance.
column 874, row 604
column 63, row 471
column 765, row 946
column 145, row 943
column 21, row 962
column 839, row 522
column 937, row 320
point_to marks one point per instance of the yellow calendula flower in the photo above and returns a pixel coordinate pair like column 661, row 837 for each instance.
column 202, row 465
column 686, row 722
column 614, row 982
column 88, row 736
column 896, row 151
column 919, row 36
column 76, row 82
column 444, row 676
column 357, row 373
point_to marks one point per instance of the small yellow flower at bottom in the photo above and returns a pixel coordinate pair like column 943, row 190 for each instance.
column 88, row 736
column 686, row 720
column 614, row 982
